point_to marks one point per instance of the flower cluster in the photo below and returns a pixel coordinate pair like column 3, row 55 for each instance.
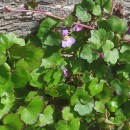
column 68, row 41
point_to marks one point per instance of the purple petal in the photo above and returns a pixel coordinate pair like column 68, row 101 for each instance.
column 64, row 32
column 78, row 28
column 70, row 41
column 128, row 32
column 64, row 43
column 65, row 75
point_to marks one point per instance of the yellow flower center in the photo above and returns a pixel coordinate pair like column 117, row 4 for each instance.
column 66, row 37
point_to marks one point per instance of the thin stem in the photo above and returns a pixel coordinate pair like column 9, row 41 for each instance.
column 32, row 11
column 6, row 10
column 89, row 27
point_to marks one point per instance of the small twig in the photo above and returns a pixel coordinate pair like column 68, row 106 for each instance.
column 114, row 2
column 6, row 10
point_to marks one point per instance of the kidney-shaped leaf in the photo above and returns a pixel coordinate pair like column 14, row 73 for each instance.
column 31, row 57
column 47, row 116
column 30, row 114
column 13, row 122
column 46, row 25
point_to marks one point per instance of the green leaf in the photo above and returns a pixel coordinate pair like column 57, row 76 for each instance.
column 105, row 95
column 52, row 78
column 2, row 58
column 7, row 99
column 108, row 46
column 88, row 4
column 30, row 96
column 3, row 127
column 37, row 77
column 19, row 78
column 117, row 86
column 54, row 59
column 96, row 87
column 68, row 113
column 14, row 39
column 48, row 76
column 30, row 114
column 77, row 65
column 114, row 56
column 4, row 74
column 119, row 120
column 116, row 39
column 80, row 96
column 53, row 38
column 86, row 77
column 108, row 6
column 126, row 109
column 72, row 125
column 13, row 122
column 16, row 52
column 45, row 27
column 120, row 117
column 99, row 106
column 124, row 48
column 56, row 77
column 112, row 106
column 65, row 91
column 84, row 109
column 47, row 34
column 31, row 57
column 69, row 21
column 87, row 54
column 97, row 10
column 47, row 116
column 7, row 40
column 98, row 37
column 81, row 12
column 125, row 57
column 110, row 55
column 16, row 78
column 52, row 92
column 117, row 25
column 102, row 24
column 114, row 24
column 94, row 37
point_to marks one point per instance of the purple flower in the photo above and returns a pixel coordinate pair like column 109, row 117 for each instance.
column 65, row 71
column 67, row 40
column 78, row 28
column 128, row 31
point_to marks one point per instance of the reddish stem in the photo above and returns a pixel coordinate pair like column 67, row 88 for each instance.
column 44, row 13
column 32, row 11
column 89, row 27
column 125, row 40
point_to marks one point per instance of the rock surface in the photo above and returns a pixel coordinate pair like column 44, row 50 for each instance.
column 25, row 23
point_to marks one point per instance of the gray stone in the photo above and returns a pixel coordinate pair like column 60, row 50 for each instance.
column 23, row 24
